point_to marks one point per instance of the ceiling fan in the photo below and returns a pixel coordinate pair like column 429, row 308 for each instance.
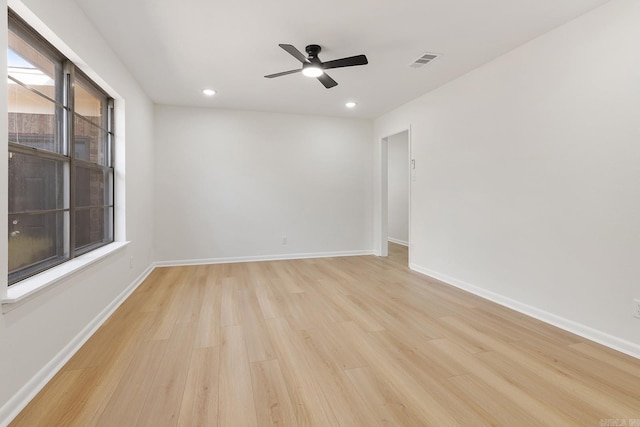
column 312, row 66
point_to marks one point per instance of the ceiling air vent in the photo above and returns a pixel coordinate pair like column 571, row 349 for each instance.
column 423, row 60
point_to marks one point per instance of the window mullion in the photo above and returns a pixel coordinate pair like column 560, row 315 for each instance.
column 70, row 144
column 110, row 133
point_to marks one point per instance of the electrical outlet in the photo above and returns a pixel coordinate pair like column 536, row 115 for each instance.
column 636, row 308
column 284, row 240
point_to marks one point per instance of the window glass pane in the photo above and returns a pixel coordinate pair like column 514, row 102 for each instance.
column 33, row 120
column 90, row 141
column 35, row 242
column 35, row 183
column 70, row 140
column 31, row 67
column 88, row 104
column 93, row 226
column 92, row 187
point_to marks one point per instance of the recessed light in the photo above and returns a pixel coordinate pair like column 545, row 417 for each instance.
column 350, row 104
column 209, row 92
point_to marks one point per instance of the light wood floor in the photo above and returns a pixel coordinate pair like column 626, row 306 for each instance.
column 358, row 341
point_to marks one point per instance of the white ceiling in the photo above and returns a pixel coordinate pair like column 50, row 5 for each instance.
column 176, row 49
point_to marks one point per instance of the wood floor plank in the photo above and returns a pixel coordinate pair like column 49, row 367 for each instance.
column 609, row 357
column 235, row 397
column 328, row 341
column 193, row 295
column 407, row 387
column 199, row 407
column 537, row 386
column 128, row 400
column 209, row 329
column 350, row 309
column 109, row 375
column 256, row 338
column 48, row 411
column 310, row 404
column 273, row 403
column 511, row 394
column 170, row 307
column 122, row 339
column 353, row 341
column 385, row 405
column 162, row 406
column 316, row 302
column 266, row 300
column 425, row 370
column 345, row 402
column 392, row 315
column 230, row 309
column 553, row 373
column 564, row 365
column 424, row 355
column 163, row 280
column 489, row 404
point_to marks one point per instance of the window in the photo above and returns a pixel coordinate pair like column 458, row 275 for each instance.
column 60, row 156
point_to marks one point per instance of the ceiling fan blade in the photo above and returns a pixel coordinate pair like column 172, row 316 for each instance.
column 294, row 52
column 284, row 73
column 345, row 62
column 327, row 81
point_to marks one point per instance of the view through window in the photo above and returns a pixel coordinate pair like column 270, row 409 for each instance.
column 60, row 156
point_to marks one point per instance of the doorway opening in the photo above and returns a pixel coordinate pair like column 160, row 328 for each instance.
column 396, row 192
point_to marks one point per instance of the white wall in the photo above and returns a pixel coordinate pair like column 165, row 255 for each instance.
column 528, row 172
column 398, row 187
column 232, row 183
column 33, row 336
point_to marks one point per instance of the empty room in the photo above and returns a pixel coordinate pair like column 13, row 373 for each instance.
column 360, row 213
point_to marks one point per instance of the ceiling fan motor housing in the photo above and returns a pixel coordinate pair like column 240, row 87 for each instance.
column 313, row 50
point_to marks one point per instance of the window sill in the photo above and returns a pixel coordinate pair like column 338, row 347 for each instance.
column 29, row 288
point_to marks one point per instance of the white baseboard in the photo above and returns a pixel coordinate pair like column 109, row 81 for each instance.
column 20, row 400
column 398, row 242
column 619, row 344
column 281, row 257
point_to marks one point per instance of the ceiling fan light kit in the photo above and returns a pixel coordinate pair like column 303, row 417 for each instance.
column 312, row 66
column 312, row 70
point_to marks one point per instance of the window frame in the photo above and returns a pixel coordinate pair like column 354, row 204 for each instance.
column 65, row 116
